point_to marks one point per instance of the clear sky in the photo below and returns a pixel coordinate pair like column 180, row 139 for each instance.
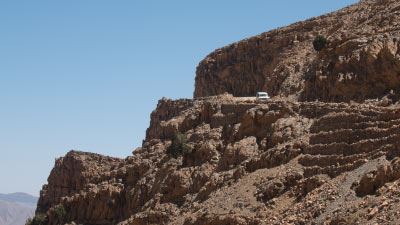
column 86, row 74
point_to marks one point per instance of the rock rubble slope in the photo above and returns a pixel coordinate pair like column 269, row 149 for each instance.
column 321, row 151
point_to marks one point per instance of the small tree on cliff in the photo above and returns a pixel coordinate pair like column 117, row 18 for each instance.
column 179, row 145
column 60, row 212
column 38, row 219
column 319, row 43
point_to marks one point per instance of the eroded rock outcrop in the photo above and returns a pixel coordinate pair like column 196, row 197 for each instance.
column 361, row 61
column 252, row 163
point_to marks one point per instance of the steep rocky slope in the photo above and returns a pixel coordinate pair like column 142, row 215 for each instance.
column 362, row 59
column 324, row 150
column 253, row 162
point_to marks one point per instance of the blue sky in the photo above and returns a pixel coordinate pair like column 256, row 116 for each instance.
column 86, row 75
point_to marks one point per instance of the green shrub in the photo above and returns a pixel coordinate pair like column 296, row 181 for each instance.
column 39, row 219
column 29, row 221
column 179, row 145
column 60, row 212
column 319, row 43
column 111, row 203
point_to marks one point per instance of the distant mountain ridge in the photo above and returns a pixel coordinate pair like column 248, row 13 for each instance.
column 19, row 197
column 16, row 208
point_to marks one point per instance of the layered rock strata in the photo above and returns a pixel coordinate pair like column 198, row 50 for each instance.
column 253, row 162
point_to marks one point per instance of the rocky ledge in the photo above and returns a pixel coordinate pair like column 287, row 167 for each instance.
column 253, row 162
column 361, row 60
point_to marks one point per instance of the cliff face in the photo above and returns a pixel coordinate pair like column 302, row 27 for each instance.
column 252, row 163
column 72, row 174
column 361, row 61
column 279, row 161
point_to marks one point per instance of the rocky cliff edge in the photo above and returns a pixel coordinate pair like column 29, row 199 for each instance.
column 361, row 60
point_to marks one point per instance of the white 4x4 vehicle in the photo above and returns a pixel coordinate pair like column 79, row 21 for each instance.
column 262, row 95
